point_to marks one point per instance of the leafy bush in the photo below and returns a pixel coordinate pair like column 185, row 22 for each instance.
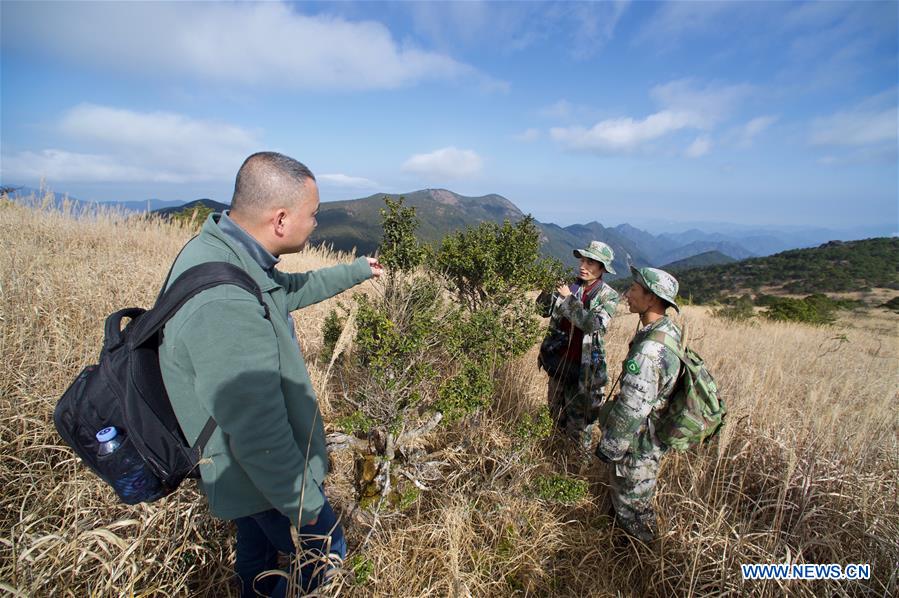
column 355, row 422
column 331, row 330
column 739, row 310
column 465, row 392
column 534, row 427
column 362, row 569
column 398, row 347
column 814, row 309
column 892, row 304
column 799, row 310
column 763, row 300
column 558, row 488
column 399, row 251
column 495, row 264
column 422, row 354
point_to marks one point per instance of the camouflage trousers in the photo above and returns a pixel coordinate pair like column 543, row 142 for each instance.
column 632, row 484
column 574, row 412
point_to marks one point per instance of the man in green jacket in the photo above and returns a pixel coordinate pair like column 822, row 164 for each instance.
column 221, row 357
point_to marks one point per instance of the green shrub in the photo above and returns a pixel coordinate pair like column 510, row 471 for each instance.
column 892, row 304
column 399, row 251
column 560, row 489
column 534, row 427
column 355, row 422
column 397, row 352
column 362, row 569
column 331, row 330
column 470, row 389
column 421, row 354
column 496, row 264
column 763, row 300
column 739, row 310
column 788, row 309
column 817, row 309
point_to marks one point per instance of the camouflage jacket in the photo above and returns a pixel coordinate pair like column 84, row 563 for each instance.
column 594, row 321
column 648, row 377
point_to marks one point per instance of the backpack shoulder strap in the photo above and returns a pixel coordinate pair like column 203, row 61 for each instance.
column 666, row 339
column 191, row 282
column 171, row 269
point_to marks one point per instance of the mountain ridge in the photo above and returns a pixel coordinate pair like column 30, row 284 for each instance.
column 356, row 224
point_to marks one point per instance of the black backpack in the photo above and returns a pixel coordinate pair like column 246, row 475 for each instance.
column 125, row 390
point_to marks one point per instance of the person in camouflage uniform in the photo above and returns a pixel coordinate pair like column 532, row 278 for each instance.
column 580, row 315
column 650, row 371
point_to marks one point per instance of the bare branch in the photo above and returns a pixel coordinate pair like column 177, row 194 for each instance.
column 337, row 441
column 421, row 431
column 413, row 479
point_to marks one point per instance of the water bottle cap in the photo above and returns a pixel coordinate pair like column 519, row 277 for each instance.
column 107, row 434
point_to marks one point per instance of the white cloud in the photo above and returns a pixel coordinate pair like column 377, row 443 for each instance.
column 62, row 165
column 885, row 155
column 743, row 136
column 233, row 43
column 709, row 104
column 126, row 145
column 757, row 125
column 855, row 128
column 447, row 162
column 685, row 104
column 594, row 25
column 623, row 134
column 866, row 133
column 672, row 22
column 700, row 147
column 585, row 27
column 528, row 135
column 343, row 180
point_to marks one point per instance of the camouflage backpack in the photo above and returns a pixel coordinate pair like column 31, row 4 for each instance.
column 695, row 411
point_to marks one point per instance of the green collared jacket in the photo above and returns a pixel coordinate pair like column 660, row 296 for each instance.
column 221, row 357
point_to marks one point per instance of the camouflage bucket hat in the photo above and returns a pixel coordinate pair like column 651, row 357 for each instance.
column 659, row 283
column 600, row 252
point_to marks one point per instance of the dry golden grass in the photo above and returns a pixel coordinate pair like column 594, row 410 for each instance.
column 807, row 469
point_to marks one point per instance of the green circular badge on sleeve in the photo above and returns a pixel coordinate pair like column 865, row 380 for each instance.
column 631, row 366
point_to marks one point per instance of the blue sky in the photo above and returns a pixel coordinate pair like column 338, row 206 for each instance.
column 774, row 113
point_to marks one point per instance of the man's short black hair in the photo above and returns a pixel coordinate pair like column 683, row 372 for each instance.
column 263, row 179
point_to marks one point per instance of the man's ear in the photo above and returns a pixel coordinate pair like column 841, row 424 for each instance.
column 278, row 220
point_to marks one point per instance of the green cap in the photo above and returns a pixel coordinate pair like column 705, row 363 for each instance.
column 658, row 282
column 600, row 252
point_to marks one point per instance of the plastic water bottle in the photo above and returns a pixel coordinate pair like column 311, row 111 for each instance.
column 109, row 441
column 132, row 481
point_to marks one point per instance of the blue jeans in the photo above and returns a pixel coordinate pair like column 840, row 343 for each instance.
column 261, row 536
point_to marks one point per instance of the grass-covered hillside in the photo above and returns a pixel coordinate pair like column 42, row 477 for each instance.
column 834, row 267
column 804, row 471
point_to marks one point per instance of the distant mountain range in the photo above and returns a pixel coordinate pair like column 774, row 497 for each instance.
column 709, row 258
column 78, row 206
column 356, row 223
